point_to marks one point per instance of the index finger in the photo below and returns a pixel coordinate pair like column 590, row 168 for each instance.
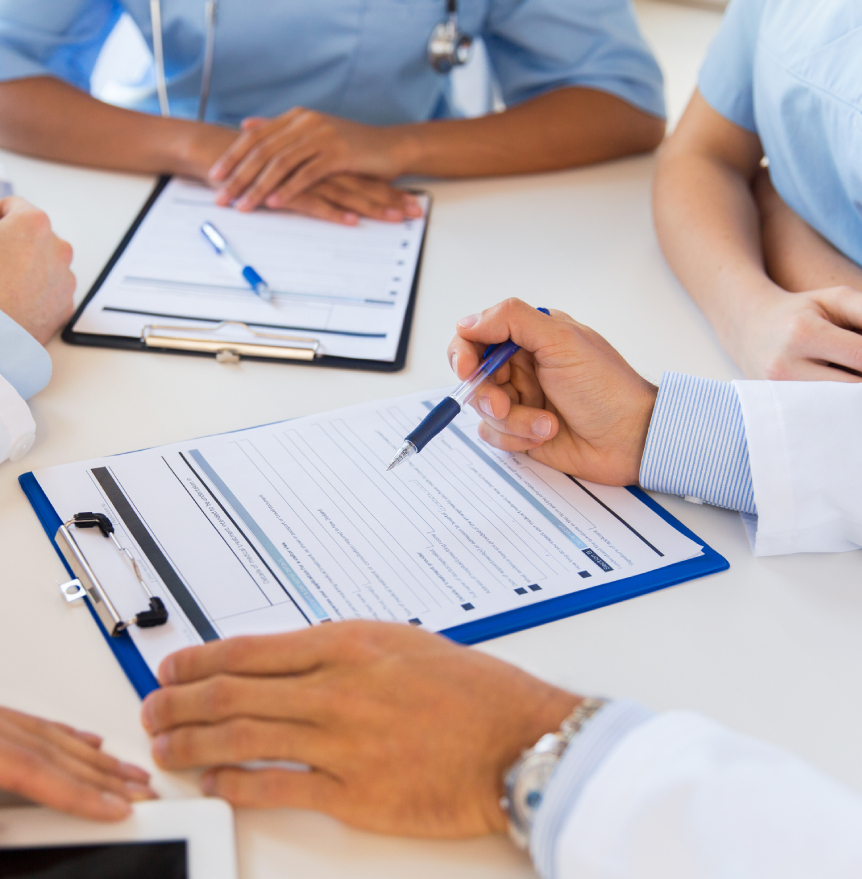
column 249, row 138
column 288, row 653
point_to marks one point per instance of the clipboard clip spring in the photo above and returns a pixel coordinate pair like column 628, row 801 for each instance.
column 87, row 584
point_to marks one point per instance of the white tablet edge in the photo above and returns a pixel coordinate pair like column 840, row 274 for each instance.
column 206, row 825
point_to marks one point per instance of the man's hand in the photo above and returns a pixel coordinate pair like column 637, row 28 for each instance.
column 274, row 161
column 567, row 398
column 405, row 732
column 36, row 285
column 58, row 766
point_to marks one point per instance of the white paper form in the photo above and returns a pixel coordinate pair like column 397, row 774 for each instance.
column 294, row 524
column 349, row 287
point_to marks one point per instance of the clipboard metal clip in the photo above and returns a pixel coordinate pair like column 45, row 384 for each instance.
column 206, row 340
column 87, row 584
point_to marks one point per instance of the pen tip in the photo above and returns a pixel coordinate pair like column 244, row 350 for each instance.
column 402, row 454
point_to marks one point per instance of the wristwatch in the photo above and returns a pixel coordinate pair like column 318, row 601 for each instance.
column 526, row 781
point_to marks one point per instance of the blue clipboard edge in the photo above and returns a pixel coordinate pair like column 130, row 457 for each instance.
column 123, row 647
column 598, row 596
column 143, row 680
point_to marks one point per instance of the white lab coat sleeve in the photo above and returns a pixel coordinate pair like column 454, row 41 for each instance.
column 17, row 427
column 25, row 369
column 681, row 797
column 805, row 453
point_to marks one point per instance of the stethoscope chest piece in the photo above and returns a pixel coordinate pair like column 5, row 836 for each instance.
column 449, row 46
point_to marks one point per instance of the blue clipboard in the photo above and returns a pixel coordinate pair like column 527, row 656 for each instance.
column 710, row 562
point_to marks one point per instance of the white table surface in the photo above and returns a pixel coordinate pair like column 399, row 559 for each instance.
column 770, row 647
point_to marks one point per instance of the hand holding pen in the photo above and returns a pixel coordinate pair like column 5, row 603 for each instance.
column 443, row 413
column 567, row 398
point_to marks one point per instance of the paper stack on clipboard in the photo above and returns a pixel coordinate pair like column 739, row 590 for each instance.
column 296, row 524
column 342, row 295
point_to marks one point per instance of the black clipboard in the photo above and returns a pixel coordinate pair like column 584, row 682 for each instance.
column 99, row 340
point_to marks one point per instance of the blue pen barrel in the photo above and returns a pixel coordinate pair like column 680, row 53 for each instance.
column 253, row 278
column 433, row 423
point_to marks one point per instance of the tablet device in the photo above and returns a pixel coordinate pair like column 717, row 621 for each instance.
column 163, row 839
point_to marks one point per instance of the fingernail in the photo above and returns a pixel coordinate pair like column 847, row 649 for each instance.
column 208, row 784
column 217, row 171
column 160, row 746
column 542, row 426
column 244, row 204
column 167, row 671
column 485, row 406
column 469, row 321
column 137, row 792
column 352, row 219
column 147, row 718
column 414, row 209
column 118, row 804
column 133, row 773
column 272, row 201
column 453, row 362
column 222, row 198
column 393, row 214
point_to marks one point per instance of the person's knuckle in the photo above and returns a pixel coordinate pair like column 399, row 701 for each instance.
column 22, row 770
column 65, row 252
column 239, row 736
column 800, row 329
column 234, row 652
column 219, row 696
column 777, row 369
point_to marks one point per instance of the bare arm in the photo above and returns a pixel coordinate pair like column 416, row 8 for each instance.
column 709, row 228
column 46, row 117
column 706, row 217
column 275, row 160
column 797, row 257
column 321, row 164
column 561, row 129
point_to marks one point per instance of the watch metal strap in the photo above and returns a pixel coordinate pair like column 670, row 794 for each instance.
column 519, row 825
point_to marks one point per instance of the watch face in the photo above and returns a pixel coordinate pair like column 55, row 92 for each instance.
column 530, row 785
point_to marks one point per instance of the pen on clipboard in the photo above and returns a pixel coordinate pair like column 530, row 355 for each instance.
column 444, row 412
column 223, row 248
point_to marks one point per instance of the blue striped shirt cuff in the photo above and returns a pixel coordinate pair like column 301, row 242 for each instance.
column 587, row 751
column 696, row 445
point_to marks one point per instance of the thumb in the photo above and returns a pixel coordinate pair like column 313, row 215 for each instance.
column 13, row 204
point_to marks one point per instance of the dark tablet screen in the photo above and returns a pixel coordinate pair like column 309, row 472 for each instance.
column 124, row 860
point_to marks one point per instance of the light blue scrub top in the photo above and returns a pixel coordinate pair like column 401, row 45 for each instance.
column 359, row 59
column 791, row 71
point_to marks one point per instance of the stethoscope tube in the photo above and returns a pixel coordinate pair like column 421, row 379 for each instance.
column 448, row 47
column 210, row 14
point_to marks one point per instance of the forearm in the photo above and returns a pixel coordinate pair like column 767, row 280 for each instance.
column 562, row 129
column 45, row 117
column 709, row 230
column 798, row 258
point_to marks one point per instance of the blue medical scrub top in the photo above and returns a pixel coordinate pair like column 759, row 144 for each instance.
column 791, row 71
column 359, row 59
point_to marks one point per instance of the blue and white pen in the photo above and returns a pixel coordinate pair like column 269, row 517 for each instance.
column 223, row 248
column 444, row 412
